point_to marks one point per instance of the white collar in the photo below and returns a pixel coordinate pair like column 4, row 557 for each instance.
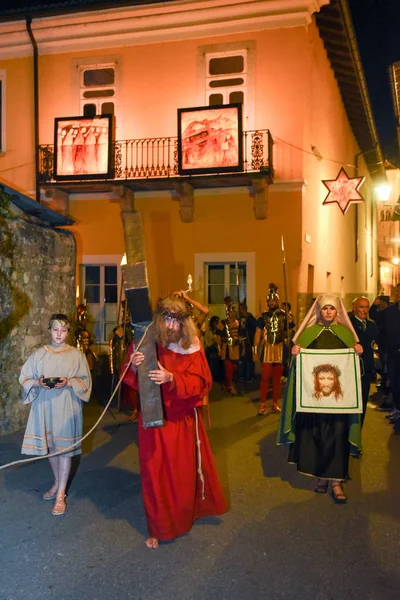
column 176, row 347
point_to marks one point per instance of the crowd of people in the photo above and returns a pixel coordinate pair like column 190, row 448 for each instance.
column 321, row 413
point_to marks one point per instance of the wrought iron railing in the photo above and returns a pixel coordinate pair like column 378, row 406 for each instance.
column 158, row 157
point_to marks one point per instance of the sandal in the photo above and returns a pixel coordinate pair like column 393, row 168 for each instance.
column 321, row 487
column 59, row 507
column 338, row 494
column 262, row 410
column 52, row 493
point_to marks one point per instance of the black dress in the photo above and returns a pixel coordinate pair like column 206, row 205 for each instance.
column 321, row 447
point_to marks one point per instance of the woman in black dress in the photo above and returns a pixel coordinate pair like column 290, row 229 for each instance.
column 320, row 443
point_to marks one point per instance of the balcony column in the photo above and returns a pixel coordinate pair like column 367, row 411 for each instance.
column 59, row 199
column 186, row 201
column 132, row 226
column 260, row 195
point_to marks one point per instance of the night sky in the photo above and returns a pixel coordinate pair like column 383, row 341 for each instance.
column 377, row 26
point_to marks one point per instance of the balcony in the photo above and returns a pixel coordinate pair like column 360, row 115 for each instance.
column 151, row 164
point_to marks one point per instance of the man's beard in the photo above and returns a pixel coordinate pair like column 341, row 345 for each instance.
column 173, row 337
column 326, row 391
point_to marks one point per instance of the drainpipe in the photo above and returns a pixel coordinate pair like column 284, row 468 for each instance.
column 36, row 103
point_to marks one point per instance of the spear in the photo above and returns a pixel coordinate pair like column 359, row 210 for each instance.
column 285, row 290
column 237, row 288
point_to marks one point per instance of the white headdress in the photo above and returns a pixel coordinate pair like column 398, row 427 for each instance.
column 314, row 314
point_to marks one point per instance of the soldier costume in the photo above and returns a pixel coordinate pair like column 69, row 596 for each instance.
column 230, row 344
column 272, row 351
column 83, row 339
column 119, row 341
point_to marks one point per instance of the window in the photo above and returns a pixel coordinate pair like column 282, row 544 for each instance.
column 100, row 285
column 2, row 110
column 221, row 282
column 97, row 90
column 226, row 77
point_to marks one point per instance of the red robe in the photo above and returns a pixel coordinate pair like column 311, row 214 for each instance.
column 172, row 488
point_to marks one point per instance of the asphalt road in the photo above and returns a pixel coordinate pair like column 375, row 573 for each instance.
column 279, row 540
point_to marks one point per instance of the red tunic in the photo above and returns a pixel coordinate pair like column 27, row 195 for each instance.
column 172, row 488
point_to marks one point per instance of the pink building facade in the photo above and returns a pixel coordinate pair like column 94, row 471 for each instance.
column 142, row 64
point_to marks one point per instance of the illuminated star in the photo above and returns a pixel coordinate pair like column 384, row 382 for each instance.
column 344, row 190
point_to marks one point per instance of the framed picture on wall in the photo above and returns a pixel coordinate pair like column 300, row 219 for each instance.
column 210, row 139
column 83, row 148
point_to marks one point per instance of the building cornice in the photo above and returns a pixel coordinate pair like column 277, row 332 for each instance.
column 154, row 23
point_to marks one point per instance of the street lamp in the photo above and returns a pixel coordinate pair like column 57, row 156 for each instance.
column 383, row 192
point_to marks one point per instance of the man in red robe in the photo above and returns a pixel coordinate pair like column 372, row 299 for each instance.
column 179, row 479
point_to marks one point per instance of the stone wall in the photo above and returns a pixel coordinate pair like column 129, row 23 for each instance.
column 37, row 278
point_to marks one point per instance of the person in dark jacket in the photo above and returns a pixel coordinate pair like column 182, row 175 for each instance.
column 248, row 324
column 367, row 333
column 377, row 314
column 391, row 324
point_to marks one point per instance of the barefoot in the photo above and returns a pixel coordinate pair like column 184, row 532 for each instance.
column 134, row 416
column 152, row 543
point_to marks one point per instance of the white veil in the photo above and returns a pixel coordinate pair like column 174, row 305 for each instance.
column 313, row 315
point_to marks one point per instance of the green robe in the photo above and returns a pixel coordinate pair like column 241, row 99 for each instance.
column 286, row 429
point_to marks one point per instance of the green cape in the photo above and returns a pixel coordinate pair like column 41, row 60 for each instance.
column 286, row 429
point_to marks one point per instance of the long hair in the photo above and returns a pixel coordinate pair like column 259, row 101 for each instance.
column 336, row 389
column 175, row 307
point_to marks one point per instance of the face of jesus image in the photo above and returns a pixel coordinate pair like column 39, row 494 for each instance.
column 326, row 382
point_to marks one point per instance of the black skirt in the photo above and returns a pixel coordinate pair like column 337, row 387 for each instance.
column 321, row 447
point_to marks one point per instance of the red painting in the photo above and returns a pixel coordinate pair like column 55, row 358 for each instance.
column 83, row 148
column 210, row 139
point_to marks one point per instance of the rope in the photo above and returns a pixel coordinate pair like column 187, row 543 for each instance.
column 199, row 469
column 27, row 460
column 339, row 162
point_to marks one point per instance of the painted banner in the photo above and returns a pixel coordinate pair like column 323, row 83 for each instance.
column 328, row 381
column 83, row 148
column 210, row 139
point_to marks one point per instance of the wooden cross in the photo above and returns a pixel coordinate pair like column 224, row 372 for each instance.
column 138, row 297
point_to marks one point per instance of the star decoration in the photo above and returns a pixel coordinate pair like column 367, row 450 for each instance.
column 344, row 190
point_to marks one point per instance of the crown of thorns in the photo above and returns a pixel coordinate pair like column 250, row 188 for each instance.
column 180, row 314
column 321, row 368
